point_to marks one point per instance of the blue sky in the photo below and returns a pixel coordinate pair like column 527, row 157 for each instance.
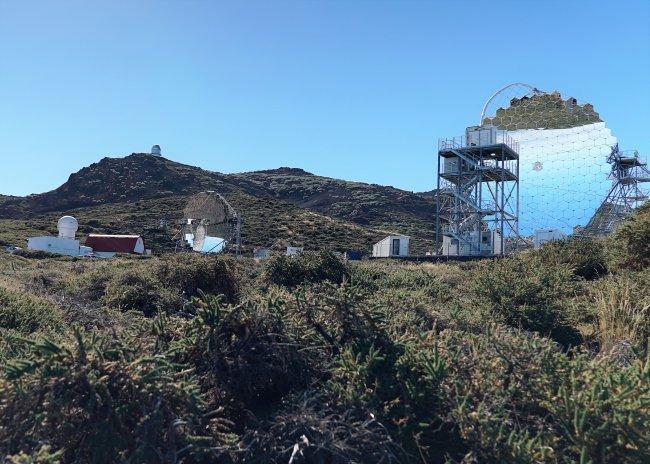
column 358, row 90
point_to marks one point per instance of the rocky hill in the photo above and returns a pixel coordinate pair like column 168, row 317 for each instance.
column 145, row 194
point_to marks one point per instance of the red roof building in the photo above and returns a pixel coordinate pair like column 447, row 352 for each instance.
column 116, row 243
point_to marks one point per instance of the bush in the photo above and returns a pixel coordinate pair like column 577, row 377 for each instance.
column 102, row 402
column 629, row 245
column 386, row 366
column 523, row 292
column 27, row 314
column 23, row 315
column 133, row 289
column 623, row 311
column 189, row 273
column 166, row 284
column 516, row 398
column 291, row 271
column 312, row 430
column 251, row 354
column 585, row 256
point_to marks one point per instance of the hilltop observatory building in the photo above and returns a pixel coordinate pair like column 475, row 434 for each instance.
column 64, row 244
column 155, row 150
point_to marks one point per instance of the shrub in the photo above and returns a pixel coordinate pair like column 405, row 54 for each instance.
column 359, row 371
column 525, row 293
column 376, row 373
column 629, row 245
column 26, row 313
column 23, row 315
column 39, row 254
column 598, row 417
column 250, row 353
column 623, row 311
column 312, row 430
column 291, row 271
column 102, row 402
column 516, row 398
column 585, row 256
column 91, row 285
column 189, row 273
column 133, row 289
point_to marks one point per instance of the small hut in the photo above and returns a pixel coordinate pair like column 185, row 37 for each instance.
column 391, row 246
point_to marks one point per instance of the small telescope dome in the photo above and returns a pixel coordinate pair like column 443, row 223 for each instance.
column 67, row 227
column 155, row 150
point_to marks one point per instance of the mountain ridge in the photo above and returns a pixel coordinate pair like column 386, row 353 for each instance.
column 260, row 196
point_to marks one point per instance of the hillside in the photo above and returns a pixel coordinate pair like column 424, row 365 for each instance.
column 540, row 357
column 364, row 204
column 145, row 194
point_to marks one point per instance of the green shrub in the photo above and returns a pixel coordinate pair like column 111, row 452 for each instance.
column 26, row 313
column 585, row 256
column 291, row 271
column 189, row 273
column 399, row 363
column 91, row 285
column 516, row 398
column 165, row 284
column 623, row 311
column 629, row 245
column 133, row 289
column 103, row 402
column 524, row 292
column 251, row 354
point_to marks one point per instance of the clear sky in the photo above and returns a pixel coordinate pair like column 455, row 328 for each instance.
column 358, row 90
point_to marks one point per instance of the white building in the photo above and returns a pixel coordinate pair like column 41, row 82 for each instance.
column 64, row 244
column 391, row 246
column 490, row 244
column 546, row 235
column 260, row 253
column 293, row 250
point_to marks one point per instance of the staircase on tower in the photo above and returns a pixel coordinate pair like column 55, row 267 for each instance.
column 478, row 192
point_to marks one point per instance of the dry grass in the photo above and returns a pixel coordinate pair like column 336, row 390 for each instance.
column 623, row 313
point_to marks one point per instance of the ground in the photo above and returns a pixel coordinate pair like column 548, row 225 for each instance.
column 540, row 357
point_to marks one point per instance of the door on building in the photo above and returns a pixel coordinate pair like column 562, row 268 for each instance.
column 395, row 250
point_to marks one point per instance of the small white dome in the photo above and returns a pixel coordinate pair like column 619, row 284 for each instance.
column 67, row 227
column 155, row 150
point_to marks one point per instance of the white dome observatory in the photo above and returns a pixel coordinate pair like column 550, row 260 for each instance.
column 155, row 150
column 67, row 227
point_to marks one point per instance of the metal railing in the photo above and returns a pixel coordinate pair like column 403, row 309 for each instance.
column 461, row 142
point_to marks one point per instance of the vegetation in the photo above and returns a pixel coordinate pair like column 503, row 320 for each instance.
column 309, row 267
column 540, row 357
column 287, row 206
column 630, row 247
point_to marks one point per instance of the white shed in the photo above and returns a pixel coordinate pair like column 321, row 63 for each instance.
column 393, row 245
column 291, row 250
column 546, row 235
column 260, row 253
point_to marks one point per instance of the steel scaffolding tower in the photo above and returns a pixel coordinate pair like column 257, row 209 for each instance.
column 627, row 192
column 478, row 192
